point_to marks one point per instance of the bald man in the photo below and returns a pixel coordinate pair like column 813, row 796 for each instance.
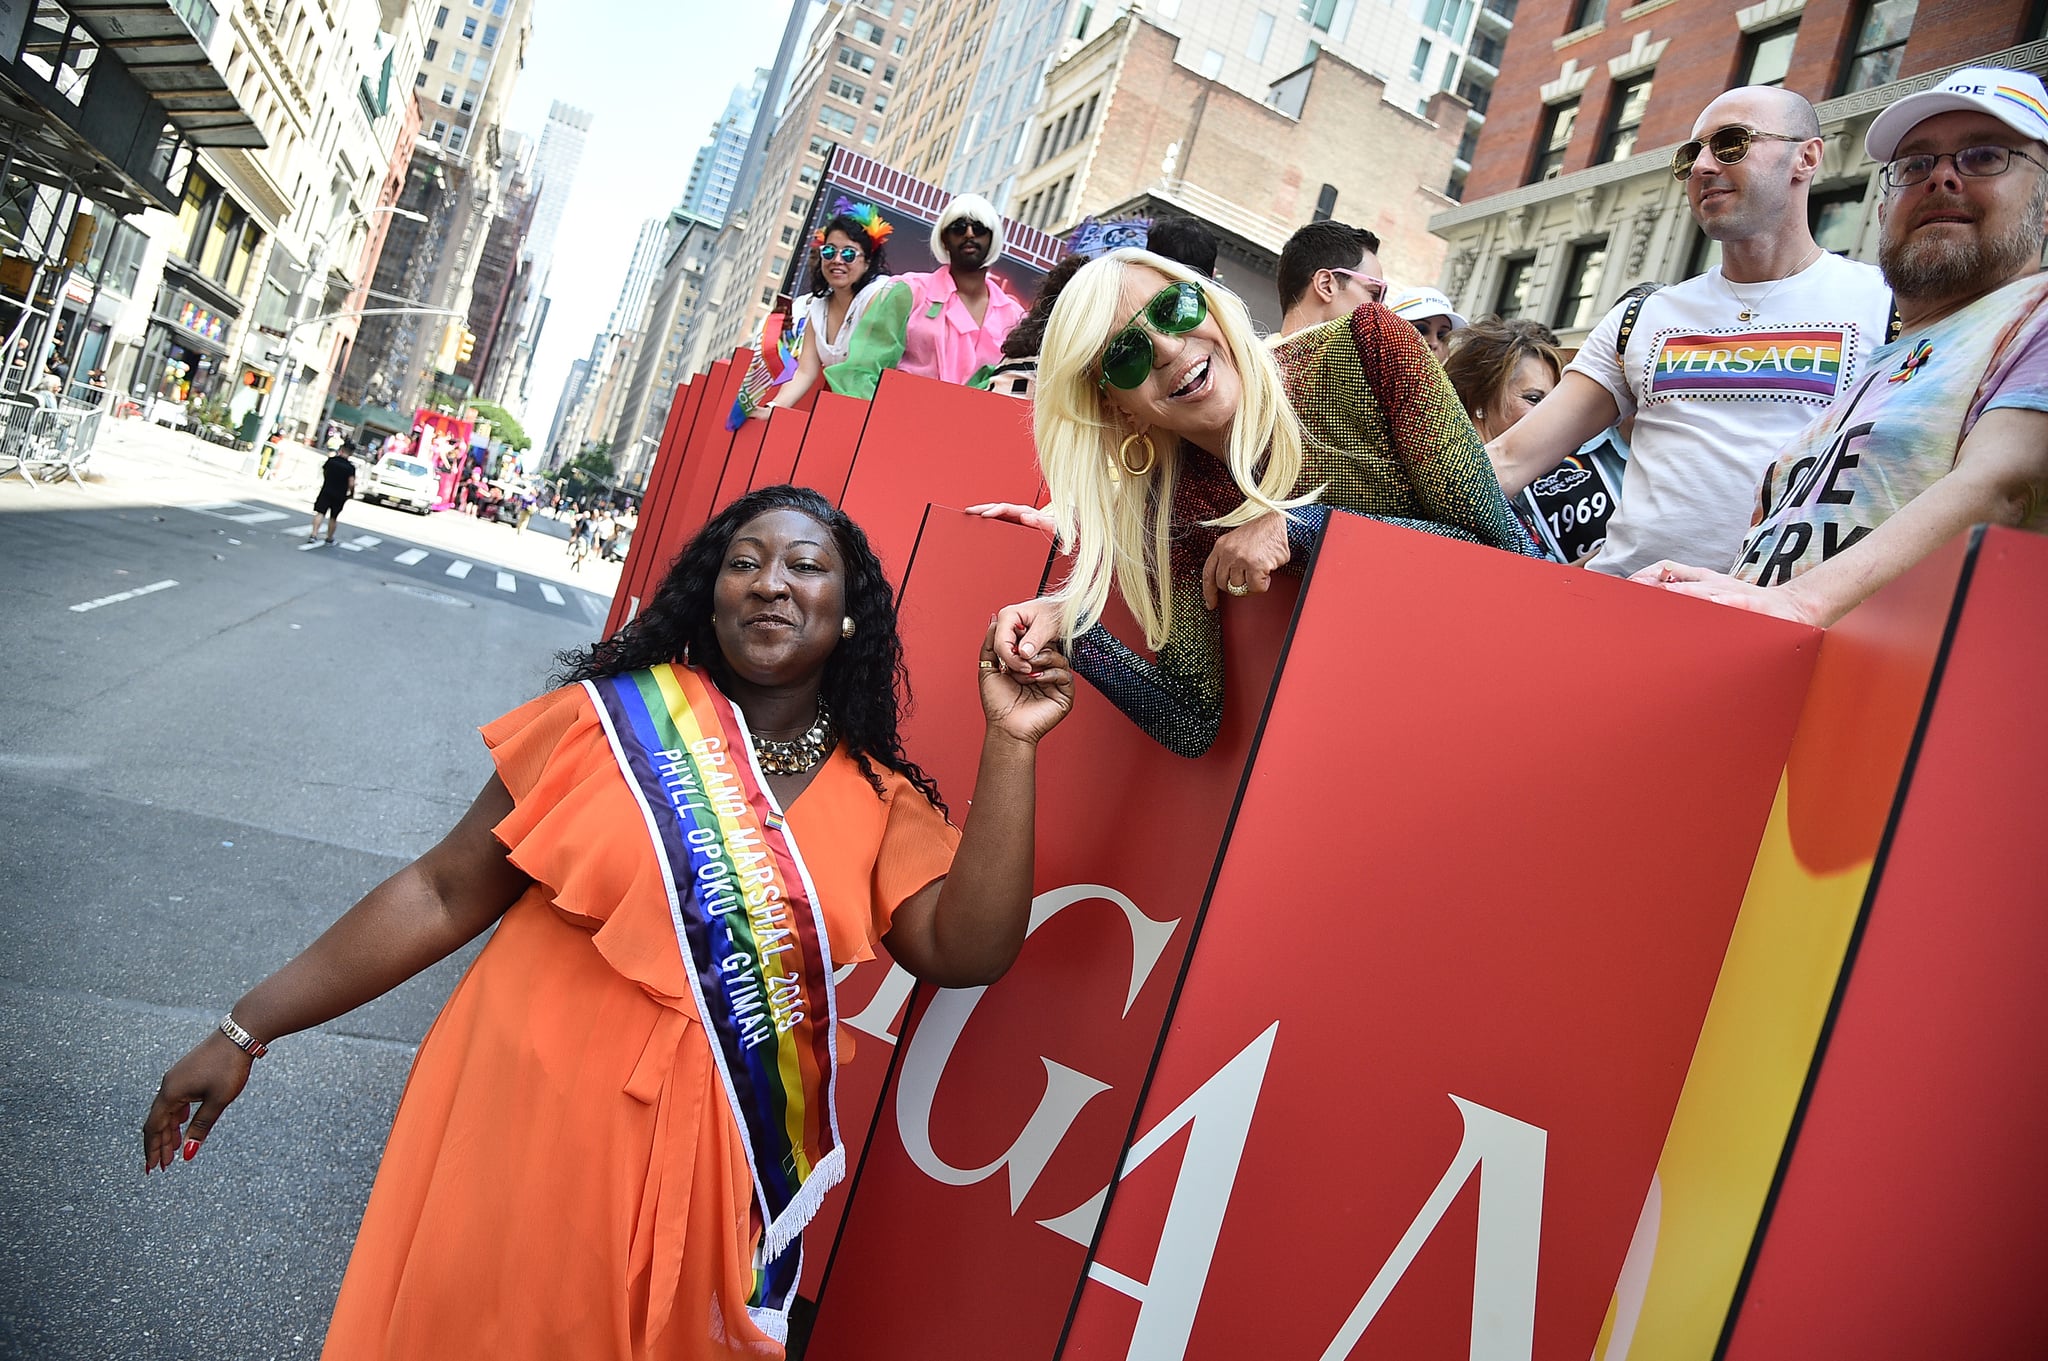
column 1721, row 370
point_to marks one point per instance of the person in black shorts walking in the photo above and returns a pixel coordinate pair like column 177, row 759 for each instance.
column 337, row 484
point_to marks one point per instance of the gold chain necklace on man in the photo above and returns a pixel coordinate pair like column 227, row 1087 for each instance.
column 800, row 754
column 1749, row 310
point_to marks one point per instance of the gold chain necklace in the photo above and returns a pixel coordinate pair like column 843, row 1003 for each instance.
column 1748, row 310
column 800, row 754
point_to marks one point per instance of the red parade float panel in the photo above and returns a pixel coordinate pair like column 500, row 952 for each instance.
column 1448, row 1094
column 943, row 621
column 1462, row 1004
column 642, row 570
column 935, row 442
column 830, row 442
column 1023, row 1121
column 740, row 461
column 1907, row 1221
column 780, row 447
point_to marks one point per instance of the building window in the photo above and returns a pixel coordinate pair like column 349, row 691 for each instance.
column 788, row 236
column 1212, row 63
column 419, row 80
column 498, row 7
column 1836, row 218
column 439, row 133
column 468, row 27
column 839, row 120
column 900, row 46
column 1421, row 62
column 781, row 263
column 869, row 133
column 798, row 204
column 490, row 35
column 455, row 139
column 809, row 176
column 767, row 296
column 1881, row 31
column 458, row 62
column 1767, row 56
column 1625, row 105
column 441, row 17
column 881, row 103
column 1581, row 283
column 857, row 61
column 1262, row 33
column 865, row 32
column 1557, row 139
column 448, row 94
column 909, row 16
column 1512, row 298
column 1318, row 13
column 469, row 100
column 888, row 75
column 1587, row 13
column 821, row 146
column 433, row 46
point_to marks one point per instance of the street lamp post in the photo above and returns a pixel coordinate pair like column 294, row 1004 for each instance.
column 273, row 411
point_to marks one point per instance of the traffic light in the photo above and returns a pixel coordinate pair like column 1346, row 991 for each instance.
column 451, row 340
column 466, row 346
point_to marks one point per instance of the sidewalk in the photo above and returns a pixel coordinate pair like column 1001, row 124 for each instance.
column 135, row 461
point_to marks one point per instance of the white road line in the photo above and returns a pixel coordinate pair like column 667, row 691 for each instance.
column 125, row 595
column 410, row 556
column 507, row 582
column 241, row 512
column 260, row 517
column 550, row 594
column 310, row 543
column 362, row 541
column 459, row 569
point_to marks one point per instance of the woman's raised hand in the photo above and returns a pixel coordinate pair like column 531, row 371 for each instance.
column 1031, row 517
column 1023, row 633
column 1029, row 706
column 1244, row 560
column 212, row 1075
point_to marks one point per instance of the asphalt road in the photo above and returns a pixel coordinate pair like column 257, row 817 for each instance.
column 194, row 780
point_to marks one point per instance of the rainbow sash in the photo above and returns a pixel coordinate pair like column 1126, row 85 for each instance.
column 753, row 945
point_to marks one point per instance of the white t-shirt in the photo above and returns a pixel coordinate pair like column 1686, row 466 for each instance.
column 1715, row 397
column 833, row 349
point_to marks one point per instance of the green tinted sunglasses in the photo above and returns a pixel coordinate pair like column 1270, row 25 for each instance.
column 1174, row 310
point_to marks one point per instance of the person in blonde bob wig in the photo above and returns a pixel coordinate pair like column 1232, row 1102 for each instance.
column 1186, row 457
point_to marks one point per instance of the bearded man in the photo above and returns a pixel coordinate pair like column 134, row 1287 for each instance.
column 1948, row 428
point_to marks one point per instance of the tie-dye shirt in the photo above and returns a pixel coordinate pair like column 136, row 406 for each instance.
column 1898, row 431
column 1715, row 397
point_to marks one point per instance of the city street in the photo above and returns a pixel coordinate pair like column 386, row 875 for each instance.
column 215, row 740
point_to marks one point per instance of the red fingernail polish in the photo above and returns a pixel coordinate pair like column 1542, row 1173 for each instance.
column 191, row 1149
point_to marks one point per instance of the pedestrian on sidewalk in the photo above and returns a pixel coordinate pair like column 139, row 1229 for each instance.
column 337, row 484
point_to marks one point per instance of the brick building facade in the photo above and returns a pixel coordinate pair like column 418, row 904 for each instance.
column 1571, row 200
column 1122, row 117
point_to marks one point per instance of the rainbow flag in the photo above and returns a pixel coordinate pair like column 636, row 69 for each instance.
column 753, row 944
column 1798, row 364
column 759, row 378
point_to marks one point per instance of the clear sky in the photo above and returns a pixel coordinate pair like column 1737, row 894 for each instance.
column 652, row 74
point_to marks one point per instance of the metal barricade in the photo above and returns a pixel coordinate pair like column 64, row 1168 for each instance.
column 56, row 441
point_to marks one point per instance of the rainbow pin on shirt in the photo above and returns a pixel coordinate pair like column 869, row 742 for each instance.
column 1913, row 362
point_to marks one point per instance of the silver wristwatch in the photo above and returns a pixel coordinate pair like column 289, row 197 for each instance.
column 242, row 1039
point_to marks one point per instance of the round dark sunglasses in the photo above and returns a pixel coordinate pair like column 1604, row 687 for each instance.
column 1174, row 310
column 1729, row 145
column 846, row 253
column 964, row 226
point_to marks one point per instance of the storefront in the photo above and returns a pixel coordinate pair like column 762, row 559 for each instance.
column 185, row 352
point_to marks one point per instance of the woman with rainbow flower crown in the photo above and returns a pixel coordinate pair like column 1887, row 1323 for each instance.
column 847, row 264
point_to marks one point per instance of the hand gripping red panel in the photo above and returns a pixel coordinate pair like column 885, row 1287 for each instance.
column 1435, row 1024
column 1009, row 1105
column 1907, row 1222
column 928, row 441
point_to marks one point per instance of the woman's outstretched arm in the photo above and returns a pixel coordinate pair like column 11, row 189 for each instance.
column 416, row 918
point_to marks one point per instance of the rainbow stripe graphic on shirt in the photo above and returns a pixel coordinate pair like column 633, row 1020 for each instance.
column 1804, row 364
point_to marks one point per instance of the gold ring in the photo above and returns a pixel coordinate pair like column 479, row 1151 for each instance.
column 1238, row 588
column 988, row 665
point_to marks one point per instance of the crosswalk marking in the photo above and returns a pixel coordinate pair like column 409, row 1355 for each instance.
column 550, row 594
column 310, row 543
column 410, row 556
column 150, row 589
column 459, row 569
column 507, row 582
column 260, row 517
column 362, row 541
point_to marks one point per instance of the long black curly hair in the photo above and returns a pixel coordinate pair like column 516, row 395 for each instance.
column 858, row 234
column 865, row 682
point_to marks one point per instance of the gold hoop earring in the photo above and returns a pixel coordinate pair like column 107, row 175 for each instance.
column 1123, row 454
column 846, row 627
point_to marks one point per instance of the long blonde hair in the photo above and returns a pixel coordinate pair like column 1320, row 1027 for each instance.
column 1117, row 525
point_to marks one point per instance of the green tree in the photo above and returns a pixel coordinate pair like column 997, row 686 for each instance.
column 504, row 426
column 589, row 471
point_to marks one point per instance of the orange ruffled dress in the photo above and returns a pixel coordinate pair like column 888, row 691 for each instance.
column 564, row 1178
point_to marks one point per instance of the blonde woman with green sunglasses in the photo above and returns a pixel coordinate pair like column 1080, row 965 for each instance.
column 1185, row 458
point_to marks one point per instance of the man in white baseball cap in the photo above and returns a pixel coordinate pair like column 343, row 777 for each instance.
column 1948, row 428
column 1431, row 313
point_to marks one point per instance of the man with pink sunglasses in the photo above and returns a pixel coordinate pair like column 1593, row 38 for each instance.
column 1327, row 270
